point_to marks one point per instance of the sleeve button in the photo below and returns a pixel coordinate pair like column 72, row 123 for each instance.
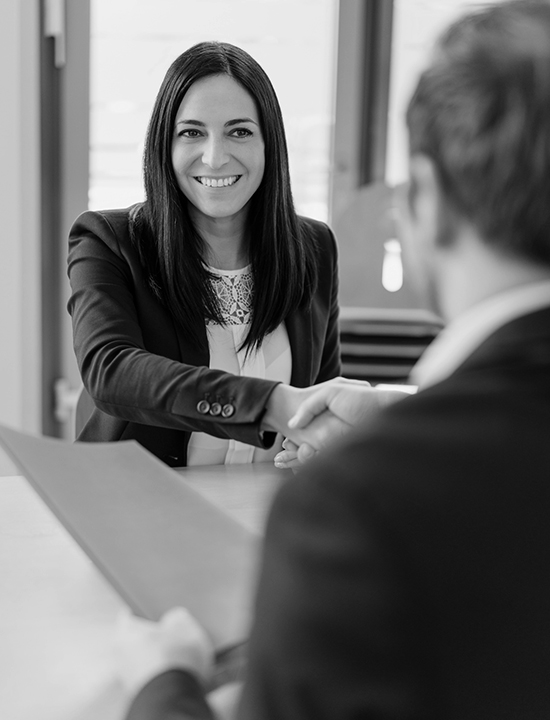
column 203, row 406
column 215, row 408
column 228, row 410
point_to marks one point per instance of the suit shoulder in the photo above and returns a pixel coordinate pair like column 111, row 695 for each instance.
column 321, row 233
column 115, row 220
column 111, row 226
column 317, row 227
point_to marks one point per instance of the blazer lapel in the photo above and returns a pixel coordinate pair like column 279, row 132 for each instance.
column 190, row 353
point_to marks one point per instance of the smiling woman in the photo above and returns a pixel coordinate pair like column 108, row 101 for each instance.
column 191, row 308
column 218, row 145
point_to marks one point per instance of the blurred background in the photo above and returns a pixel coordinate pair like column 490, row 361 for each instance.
column 78, row 80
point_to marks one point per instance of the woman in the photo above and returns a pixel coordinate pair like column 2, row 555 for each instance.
column 188, row 309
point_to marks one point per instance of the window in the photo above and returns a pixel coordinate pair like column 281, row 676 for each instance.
column 134, row 42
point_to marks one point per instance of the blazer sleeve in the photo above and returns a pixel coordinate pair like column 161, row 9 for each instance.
column 335, row 632
column 141, row 379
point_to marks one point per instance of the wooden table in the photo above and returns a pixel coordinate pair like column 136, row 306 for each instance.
column 57, row 613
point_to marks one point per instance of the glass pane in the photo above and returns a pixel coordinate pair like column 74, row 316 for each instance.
column 417, row 23
column 134, row 41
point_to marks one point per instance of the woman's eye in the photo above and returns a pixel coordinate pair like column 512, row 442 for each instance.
column 241, row 132
column 189, row 133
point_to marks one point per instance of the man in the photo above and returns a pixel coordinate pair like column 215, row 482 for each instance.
column 405, row 571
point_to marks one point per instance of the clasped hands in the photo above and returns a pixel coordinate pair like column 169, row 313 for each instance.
column 311, row 418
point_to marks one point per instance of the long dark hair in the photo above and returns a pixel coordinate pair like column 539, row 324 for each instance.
column 281, row 251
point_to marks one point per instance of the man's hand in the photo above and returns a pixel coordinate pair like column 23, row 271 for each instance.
column 327, row 413
column 285, row 400
column 350, row 403
column 146, row 648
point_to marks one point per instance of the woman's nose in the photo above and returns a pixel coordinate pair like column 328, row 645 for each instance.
column 215, row 154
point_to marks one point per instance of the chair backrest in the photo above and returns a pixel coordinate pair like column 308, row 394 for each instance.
column 382, row 345
column 84, row 408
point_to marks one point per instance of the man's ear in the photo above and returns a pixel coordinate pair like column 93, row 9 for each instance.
column 424, row 198
column 421, row 233
column 439, row 224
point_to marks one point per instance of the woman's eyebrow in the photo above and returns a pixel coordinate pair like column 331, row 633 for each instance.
column 190, row 122
column 229, row 123
column 240, row 120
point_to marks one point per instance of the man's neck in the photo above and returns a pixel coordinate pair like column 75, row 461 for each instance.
column 471, row 271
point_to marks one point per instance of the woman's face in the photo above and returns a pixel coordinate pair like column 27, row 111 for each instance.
column 217, row 147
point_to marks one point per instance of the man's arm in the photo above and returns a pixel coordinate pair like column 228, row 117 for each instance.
column 336, row 633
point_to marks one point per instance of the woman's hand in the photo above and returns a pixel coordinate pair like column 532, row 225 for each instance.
column 305, row 443
column 293, row 456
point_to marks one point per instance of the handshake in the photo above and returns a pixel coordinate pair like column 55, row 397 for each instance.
column 311, row 418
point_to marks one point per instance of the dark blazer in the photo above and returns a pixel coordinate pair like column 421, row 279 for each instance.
column 406, row 572
column 124, row 339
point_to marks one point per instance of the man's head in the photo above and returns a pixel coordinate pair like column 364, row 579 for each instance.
column 479, row 126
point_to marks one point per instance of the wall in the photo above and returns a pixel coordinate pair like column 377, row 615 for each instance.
column 19, row 204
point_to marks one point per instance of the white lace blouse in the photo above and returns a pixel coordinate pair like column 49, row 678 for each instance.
column 272, row 361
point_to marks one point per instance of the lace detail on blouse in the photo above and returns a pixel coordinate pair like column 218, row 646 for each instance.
column 234, row 293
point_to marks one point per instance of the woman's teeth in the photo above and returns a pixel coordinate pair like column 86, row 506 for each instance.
column 218, row 182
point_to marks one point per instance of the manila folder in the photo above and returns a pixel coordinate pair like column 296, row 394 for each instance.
column 156, row 539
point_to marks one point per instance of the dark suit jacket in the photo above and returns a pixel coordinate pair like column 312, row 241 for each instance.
column 124, row 339
column 406, row 573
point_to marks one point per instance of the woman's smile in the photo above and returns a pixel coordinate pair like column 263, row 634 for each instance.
column 219, row 182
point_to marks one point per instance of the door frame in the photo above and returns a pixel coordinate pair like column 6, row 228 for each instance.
column 65, row 137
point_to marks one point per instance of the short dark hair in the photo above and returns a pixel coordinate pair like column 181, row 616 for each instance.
column 481, row 112
column 282, row 253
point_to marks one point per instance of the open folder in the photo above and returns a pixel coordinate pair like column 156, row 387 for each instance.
column 156, row 539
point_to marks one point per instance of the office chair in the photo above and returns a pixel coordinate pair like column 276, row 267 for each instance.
column 382, row 345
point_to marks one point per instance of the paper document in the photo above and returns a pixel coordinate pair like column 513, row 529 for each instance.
column 155, row 538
